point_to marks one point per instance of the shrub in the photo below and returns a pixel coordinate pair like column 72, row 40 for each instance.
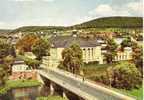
column 126, row 75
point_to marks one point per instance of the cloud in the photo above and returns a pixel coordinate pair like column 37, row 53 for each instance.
column 107, row 10
column 135, row 7
column 104, row 10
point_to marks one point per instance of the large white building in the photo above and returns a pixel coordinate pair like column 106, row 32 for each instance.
column 91, row 49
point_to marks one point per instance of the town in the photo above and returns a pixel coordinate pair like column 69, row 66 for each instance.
column 111, row 59
column 71, row 50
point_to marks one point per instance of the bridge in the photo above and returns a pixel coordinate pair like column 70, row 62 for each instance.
column 82, row 88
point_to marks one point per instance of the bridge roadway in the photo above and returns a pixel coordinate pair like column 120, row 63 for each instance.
column 84, row 89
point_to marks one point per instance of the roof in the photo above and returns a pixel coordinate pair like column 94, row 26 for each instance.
column 66, row 41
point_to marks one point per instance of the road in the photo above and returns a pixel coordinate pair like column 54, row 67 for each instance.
column 84, row 89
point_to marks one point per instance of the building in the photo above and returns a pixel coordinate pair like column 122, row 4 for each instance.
column 124, row 55
column 91, row 49
column 21, row 71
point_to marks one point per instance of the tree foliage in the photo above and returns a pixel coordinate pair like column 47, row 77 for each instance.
column 3, row 74
column 115, row 22
column 126, row 42
column 126, row 75
column 7, row 54
column 32, row 63
column 6, row 49
column 111, row 50
column 72, row 58
column 41, row 48
column 138, row 56
column 25, row 44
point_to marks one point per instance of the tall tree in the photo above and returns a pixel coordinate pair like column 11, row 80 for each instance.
column 7, row 54
column 3, row 74
column 41, row 48
column 126, row 42
column 138, row 56
column 72, row 58
column 25, row 43
column 111, row 50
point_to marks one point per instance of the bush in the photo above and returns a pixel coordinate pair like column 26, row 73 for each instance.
column 126, row 75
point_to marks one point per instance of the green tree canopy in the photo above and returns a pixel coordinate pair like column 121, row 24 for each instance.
column 138, row 56
column 111, row 50
column 72, row 58
column 126, row 42
column 126, row 75
column 41, row 48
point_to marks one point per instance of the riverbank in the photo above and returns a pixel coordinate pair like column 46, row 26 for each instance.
column 11, row 84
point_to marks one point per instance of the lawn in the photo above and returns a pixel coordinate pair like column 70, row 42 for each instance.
column 136, row 93
column 92, row 70
column 22, row 83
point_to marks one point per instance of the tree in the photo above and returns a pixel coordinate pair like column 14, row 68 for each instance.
column 72, row 58
column 3, row 74
column 126, row 42
column 111, row 50
column 25, row 43
column 126, row 75
column 32, row 63
column 41, row 48
column 138, row 56
column 7, row 54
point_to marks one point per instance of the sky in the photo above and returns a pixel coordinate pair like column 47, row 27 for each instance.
column 17, row 13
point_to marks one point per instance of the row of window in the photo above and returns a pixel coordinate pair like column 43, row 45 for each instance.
column 90, row 52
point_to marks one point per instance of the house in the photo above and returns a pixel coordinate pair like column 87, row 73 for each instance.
column 124, row 55
column 91, row 49
column 21, row 71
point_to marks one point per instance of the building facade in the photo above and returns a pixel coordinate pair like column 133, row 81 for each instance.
column 91, row 49
column 124, row 55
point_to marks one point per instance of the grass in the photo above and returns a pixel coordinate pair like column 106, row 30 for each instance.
column 10, row 84
column 136, row 93
column 4, row 89
column 51, row 98
column 22, row 83
column 93, row 69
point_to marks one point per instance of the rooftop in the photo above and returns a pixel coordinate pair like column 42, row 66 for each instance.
column 66, row 41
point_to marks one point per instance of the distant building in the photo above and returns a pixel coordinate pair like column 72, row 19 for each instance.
column 21, row 71
column 124, row 55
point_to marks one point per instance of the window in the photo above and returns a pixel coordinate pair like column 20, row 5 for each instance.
column 92, row 53
column 89, row 52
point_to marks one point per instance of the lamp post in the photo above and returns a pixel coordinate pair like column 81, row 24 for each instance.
column 82, row 74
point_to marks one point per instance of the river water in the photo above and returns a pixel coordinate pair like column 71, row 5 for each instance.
column 31, row 93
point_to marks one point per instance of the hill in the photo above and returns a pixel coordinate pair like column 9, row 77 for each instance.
column 3, row 31
column 37, row 28
column 113, row 22
column 106, row 22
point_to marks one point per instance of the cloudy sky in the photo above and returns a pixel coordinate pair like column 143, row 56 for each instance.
column 16, row 13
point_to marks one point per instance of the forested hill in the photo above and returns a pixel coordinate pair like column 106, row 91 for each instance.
column 2, row 31
column 37, row 28
column 107, row 22
column 113, row 22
